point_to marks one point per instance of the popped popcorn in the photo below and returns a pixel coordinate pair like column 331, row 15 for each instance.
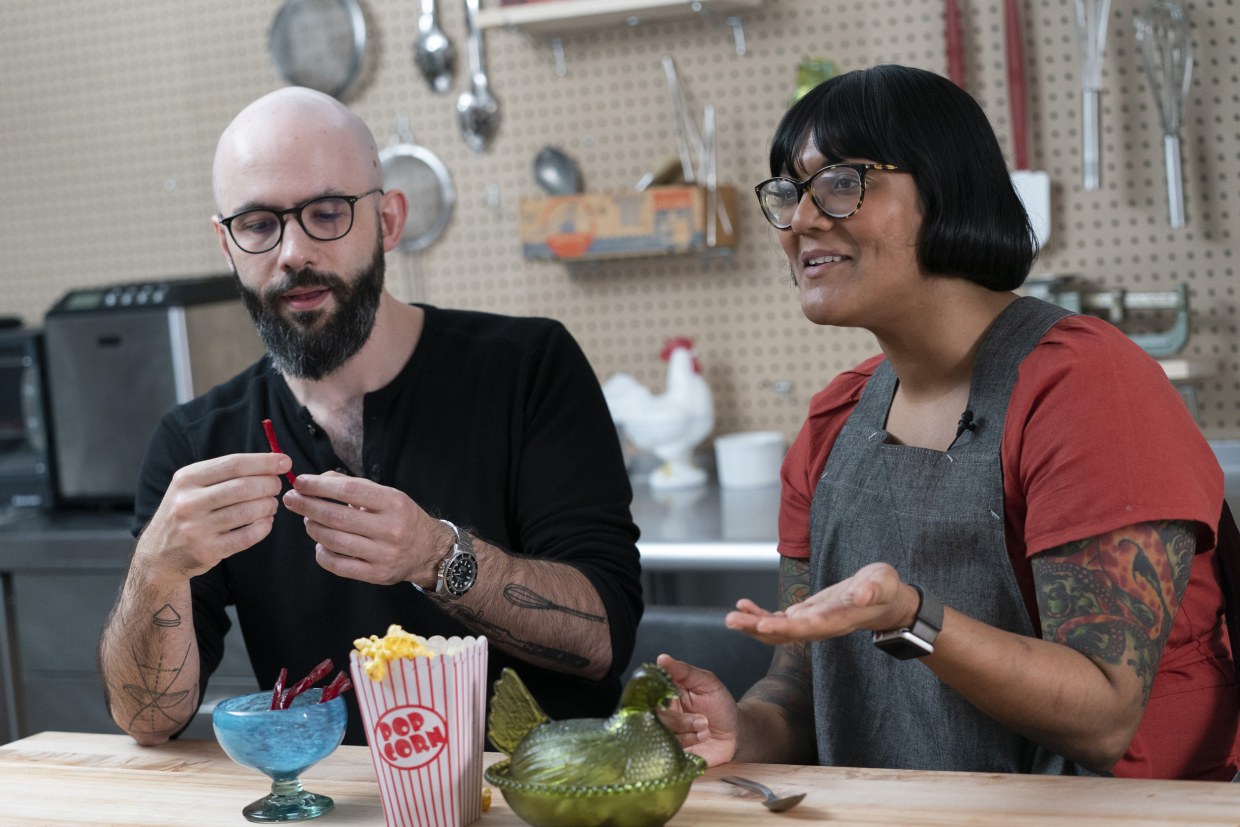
column 396, row 644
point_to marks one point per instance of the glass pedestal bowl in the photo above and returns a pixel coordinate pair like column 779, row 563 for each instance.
column 282, row 743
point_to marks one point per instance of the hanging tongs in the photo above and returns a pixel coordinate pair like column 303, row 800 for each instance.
column 1091, row 37
column 1167, row 53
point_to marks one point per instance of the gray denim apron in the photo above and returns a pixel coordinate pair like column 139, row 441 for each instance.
column 937, row 517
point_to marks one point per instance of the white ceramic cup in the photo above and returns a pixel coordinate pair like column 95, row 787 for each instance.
column 749, row 459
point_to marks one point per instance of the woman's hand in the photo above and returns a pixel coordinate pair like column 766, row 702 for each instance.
column 704, row 720
column 873, row 598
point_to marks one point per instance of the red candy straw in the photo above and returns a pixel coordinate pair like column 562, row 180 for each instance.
column 275, row 447
column 282, row 698
column 316, row 674
column 340, row 683
column 279, row 688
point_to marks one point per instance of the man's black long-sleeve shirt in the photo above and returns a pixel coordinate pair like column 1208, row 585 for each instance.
column 496, row 423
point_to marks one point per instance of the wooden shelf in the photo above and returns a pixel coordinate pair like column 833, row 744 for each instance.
column 596, row 226
column 556, row 17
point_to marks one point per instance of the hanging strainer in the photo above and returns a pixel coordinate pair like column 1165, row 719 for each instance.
column 319, row 44
column 423, row 178
column 1167, row 52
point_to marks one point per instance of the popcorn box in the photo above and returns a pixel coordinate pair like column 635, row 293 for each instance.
column 425, row 723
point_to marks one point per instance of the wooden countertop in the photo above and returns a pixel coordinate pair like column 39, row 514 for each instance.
column 72, row 778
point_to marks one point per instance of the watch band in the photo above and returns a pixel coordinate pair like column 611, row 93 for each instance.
column 915, row 641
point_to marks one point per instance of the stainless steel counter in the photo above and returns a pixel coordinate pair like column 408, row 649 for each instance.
column 707, row 528
column 689, row 530
column 87, row 540
column 59, row 575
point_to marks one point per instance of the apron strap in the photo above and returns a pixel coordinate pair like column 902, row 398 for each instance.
column 1227, row 553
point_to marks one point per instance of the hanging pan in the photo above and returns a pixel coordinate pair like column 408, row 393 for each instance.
column 319, row 44
column 423, row 178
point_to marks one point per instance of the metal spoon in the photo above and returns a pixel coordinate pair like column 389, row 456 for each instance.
column 432, row 52
column 774, row 803
column 477, row 110
column 556, row 172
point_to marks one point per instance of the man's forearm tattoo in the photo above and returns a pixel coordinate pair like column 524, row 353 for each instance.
column 527, row 598
column 505, row 638
column 157, row 701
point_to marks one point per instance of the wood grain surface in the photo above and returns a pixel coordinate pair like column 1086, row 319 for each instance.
column 57, row 778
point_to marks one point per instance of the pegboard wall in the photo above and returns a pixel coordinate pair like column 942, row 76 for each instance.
column 111, row 109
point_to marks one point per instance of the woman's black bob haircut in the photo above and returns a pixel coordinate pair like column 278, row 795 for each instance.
column 975, row 225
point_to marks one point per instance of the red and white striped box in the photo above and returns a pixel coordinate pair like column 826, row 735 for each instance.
column 425, row 724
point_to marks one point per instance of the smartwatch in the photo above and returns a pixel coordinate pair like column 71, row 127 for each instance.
column 458, row 571
column 916, row 641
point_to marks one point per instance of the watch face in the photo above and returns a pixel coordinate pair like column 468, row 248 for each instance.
column 903, row 644
column 460, row 572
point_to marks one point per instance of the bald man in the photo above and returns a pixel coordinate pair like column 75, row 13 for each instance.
column 456, row 472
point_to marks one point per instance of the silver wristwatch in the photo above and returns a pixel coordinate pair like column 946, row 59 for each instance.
column 458, row 571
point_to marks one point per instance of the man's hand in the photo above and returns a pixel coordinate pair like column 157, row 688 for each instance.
column 369, row 532
column 212, row 510
column 873, row 598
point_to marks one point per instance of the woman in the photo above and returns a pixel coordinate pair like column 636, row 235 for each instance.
column 1012, row 495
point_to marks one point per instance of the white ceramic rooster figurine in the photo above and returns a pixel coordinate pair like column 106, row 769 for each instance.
column 670, row 425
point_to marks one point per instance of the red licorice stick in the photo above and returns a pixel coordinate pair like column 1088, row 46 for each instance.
column 275, row 446
column 279, row 688
column 316, row 674
column 339, row 684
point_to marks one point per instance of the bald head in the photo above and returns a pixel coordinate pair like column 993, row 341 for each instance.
column 293, row 143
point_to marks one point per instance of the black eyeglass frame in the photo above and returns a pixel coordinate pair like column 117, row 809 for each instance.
column 802, row 186
column 296, row 212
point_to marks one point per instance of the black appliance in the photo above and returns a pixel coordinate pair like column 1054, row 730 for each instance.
column 26, row 465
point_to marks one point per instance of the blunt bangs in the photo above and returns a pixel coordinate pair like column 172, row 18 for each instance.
column 974, row 225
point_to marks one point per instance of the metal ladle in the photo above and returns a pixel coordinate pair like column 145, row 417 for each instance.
column 556, row 172
column 432, row 52
column 477, row 110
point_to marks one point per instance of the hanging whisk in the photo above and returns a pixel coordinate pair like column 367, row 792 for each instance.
column 1167, row 53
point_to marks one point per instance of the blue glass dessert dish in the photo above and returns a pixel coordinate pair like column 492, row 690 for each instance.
column 282, row 743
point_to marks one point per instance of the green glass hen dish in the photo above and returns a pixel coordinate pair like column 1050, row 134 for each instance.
column 624, row 771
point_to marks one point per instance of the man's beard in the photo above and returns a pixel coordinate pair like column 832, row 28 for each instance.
column 309, row 345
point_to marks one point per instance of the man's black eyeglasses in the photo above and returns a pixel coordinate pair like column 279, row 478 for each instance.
column 324, row 219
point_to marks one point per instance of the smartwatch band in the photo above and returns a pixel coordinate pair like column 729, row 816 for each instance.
column 915, row 641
